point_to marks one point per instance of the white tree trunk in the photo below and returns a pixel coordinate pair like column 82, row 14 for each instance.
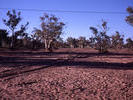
column 47, row 44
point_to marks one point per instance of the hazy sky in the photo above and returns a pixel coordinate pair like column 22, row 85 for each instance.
column 76, row 24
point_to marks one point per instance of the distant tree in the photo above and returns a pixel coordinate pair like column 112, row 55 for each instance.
column 21, row 34
column 101, row 39
column 3, row 38
column 92, row 42
column 58, row 44
column 129, row 43
column 51, row 30
column 117, row 41
column 35, row 41
column 88, row 43
column 82, row 42
column 72, row 42
column 129, row 19
column 12, row 22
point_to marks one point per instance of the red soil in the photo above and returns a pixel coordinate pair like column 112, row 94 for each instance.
column 66, row 74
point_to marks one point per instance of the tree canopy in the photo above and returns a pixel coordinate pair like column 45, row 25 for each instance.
column 51, row 30
column 129, row 19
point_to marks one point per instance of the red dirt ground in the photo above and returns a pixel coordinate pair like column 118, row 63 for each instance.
column 66, row 74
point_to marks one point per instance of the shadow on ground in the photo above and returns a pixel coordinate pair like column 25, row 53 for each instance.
column 21, row 65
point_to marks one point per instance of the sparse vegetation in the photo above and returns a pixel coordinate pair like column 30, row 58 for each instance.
column 72, row 42
column 82, row 42
column 49, row 36
column 129, row 19
column 12, row 23
column 98, row 68
column 101, row 39
column 51, row 29
column 129, row 43
column 117, row 41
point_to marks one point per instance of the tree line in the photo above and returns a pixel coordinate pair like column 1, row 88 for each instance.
column 49, row 35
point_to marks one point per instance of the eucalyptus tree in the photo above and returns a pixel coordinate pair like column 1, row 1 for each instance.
column 12, row 22
column 82, row 42
column 101, row 39
column 117, row 41
column 72, row 42
column 129, row 43
column 129, row 19
column 51, row 30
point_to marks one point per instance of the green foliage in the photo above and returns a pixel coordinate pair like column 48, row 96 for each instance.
column 129, row 43
column 72, row 42
column 82, row 42
column 129, row 19
column 100, row 39
column 13, row 19
column 12, row 22
column 51, row 30
column 117, row 41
